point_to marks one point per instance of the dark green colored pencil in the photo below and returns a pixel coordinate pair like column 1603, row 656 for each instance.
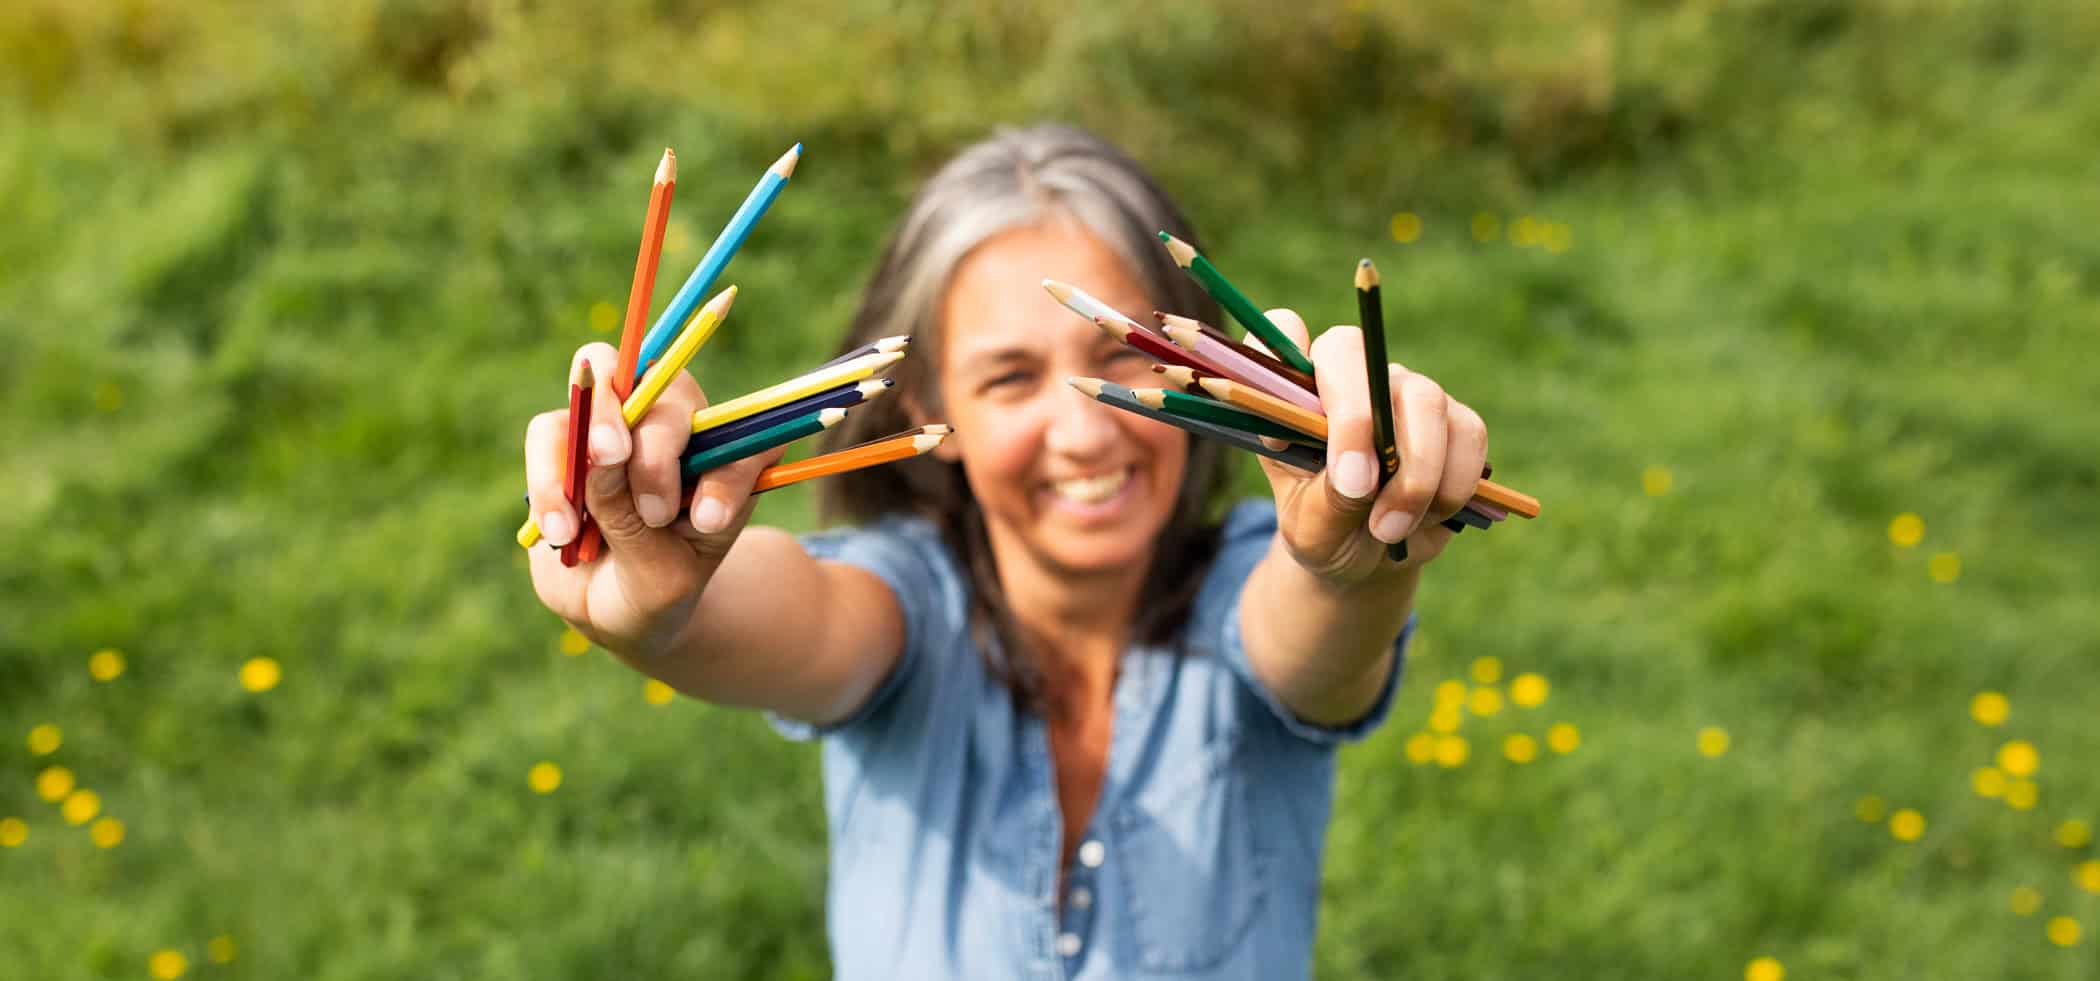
column 1236, row 303
column 1371, row 310
column 761, row 441
column 1212, row 411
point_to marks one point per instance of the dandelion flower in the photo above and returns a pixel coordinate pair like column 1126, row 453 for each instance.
column 1446, row 720
column 1528, row 690
column 2088, row 876
column 80, row 806
column 1765, row 969
column 106, row 832
column 1421, row 747
column 1656, row 481
column 2074, row 834
column 574, row 643
column 2063, row 931
column 261, row 674
column 2019, row 758
column 2020, row 795
column 54, row 783
column 1713, row 741
column 1907, row 825
column 1406, row 226
column 2026, row 900
column 1563, row 737
column 1487, row 670
column 1520, row 748
column 1484, row 702
column 106, row 664
column 45, row 739
column 1451, row 751
column 1907, row 530
column 544, row 777
column 1944, row 567
column 1452, row 692
column 13, row 832
column 1988, row 781
column 167, row 965
column 1989, row 708
column 657, row 693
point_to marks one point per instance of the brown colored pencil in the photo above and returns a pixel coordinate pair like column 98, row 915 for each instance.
column 1248, row 351
column 1181, row 375
column 582, row 383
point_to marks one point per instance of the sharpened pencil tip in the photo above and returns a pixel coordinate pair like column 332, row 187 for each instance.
column 1182, row 252
column 1366, row 274
column 1091, row 386
column 830, row 417
column 785, row 166
column 581, row 375
column 1121, row 330
column 667, row 168
column 1062, row 291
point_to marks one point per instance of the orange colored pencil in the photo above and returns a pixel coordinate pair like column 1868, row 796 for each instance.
column 581, row 386
column 886, row 450
column 639, row 293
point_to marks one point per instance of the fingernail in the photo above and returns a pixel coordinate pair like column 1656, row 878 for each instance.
column 1392, row 527
column 608, row 445
column 655, row 511
column 1355, row 476
column 554, row 527
column 710, row 516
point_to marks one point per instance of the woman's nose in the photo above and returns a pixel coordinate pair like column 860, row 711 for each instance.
column 1078, row 425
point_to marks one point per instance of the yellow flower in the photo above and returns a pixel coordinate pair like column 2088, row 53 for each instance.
column 80, row 806
column 2088, row 876
column 44, row 739
column 1656, row 481
column 1907, row 530
column 2025, row 900
column 1563, row 737
column 1484, row 702
column 2063, row 931
column 1527, row 231
column 1520, row 748
column 13, row 832
column 54, row 783
column 1907, row 825
column 260, row 674
column 1989, row 781
column 1487, row 670
column 605, row 318
column 657, row 693
column 2019, row 758
column 573, row 643
column 2074, row 834
column 1421, row 747
column 1558, row 237
column 167, row 965
column 1765, row 969
column 1529, row 690
column 1450, row 692
column 221, row 949
column 2020, row 795
column 1870, row 809
column 544, row 777
column 1486, row 227
column 1944, row 567
column 1451, row 751
column 1713, row 741
column 106, row 832
column 1989, row 708
column 106, row 664
column 1407, row 226
column 1446, row 719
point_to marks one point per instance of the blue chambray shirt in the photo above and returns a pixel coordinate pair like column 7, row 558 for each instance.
column 1203, row 856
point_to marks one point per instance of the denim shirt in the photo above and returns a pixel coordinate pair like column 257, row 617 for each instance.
column 1201, row 860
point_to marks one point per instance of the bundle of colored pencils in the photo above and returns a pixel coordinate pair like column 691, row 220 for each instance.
column 1261, row 399
column 742, row 427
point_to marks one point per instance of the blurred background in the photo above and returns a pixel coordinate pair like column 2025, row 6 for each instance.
column 1781, row 306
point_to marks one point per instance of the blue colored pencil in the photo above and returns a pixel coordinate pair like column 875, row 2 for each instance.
column 840, row 397
column 717, row 257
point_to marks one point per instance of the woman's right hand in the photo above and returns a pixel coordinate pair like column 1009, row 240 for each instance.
column 641, row 592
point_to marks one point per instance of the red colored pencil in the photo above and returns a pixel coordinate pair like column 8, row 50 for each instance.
column 638, row 296
column 1150, row 344
column 581, row 385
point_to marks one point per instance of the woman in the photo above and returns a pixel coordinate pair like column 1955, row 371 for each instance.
column 1071, row 726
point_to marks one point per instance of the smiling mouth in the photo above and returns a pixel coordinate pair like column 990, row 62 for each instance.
column 1092, row 490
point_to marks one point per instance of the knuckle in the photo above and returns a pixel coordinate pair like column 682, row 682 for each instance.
column 1422, row 387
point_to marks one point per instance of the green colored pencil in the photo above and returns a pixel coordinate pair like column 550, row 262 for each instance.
column 761, row 441
column 1236, row 303
column 1208, row 410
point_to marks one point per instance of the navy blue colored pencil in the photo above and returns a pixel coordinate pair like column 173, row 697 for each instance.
column 838, row 397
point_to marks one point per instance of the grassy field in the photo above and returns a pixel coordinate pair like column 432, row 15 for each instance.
column 1735, row 286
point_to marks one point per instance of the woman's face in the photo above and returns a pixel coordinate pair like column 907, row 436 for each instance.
column 1077, row 487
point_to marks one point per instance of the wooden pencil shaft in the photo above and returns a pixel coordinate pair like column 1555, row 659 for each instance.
column 886, row 345
column 1086, row 305
column 1513, row 501
column 837, row 397
column 666, row 369
column 718, row 255
column 844, row 461
column 1241, row 368
column 1152, row 345
column 1250, row 352
column 643, row 286
column 1216, row 413
column 1371, row 311
column 1265, row 405
column 1298, row 456
column 794, row 388
column 1237, row 304
column 759, row 442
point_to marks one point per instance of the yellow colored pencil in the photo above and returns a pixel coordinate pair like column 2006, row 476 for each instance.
column 816, row 381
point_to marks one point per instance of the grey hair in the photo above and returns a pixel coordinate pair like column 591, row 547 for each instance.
column 1017, row 178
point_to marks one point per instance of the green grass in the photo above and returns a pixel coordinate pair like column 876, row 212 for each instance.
column 278, row 294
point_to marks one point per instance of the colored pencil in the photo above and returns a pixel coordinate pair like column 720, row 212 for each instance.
column 1303, row 457
column 1083, row 303
column 1370, row 310
column 1216, row 413
column 841, row 397
column 887, row 450
column 644, row 283
column 718, row 256
column 656, row 380
column 1248, row 351
column 1151, row 344
column 1245, row 396
column 582, row 384
column 886, row 345
column 1239, row 366
column 1236, row 302
column 761, row 441
column 1181, row 375
column 792, row 389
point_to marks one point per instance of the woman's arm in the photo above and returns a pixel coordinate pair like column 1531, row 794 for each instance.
column 1320, row 612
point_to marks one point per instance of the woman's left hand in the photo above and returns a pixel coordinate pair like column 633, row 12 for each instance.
column 1336, row 523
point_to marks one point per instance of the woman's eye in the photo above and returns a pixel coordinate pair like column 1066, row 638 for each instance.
column 1001, row 381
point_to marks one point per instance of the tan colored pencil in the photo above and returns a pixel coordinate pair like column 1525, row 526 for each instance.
column 1254, row 400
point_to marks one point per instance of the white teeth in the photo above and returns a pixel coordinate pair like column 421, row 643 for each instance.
column 1088, row 490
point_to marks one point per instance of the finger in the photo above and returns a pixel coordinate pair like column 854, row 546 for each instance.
column 1465, row 455
column 546, row 453
column 659, row 439
column 610, row 442
column 1421, row 428
column 719, row 500
column 1288, row 321
column 1352, row 463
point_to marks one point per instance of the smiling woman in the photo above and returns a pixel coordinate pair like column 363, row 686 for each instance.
column 1073, row 724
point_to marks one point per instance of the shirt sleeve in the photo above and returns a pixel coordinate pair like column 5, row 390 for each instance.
column 1214, row 627
column 908, row 556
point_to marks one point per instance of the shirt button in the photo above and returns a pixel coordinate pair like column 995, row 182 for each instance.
column 1067, row 944
column 1091, row 853
column 1081, row 897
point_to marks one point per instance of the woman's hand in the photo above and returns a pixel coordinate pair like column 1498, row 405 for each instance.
column 637, row 597
column 1336, row 523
